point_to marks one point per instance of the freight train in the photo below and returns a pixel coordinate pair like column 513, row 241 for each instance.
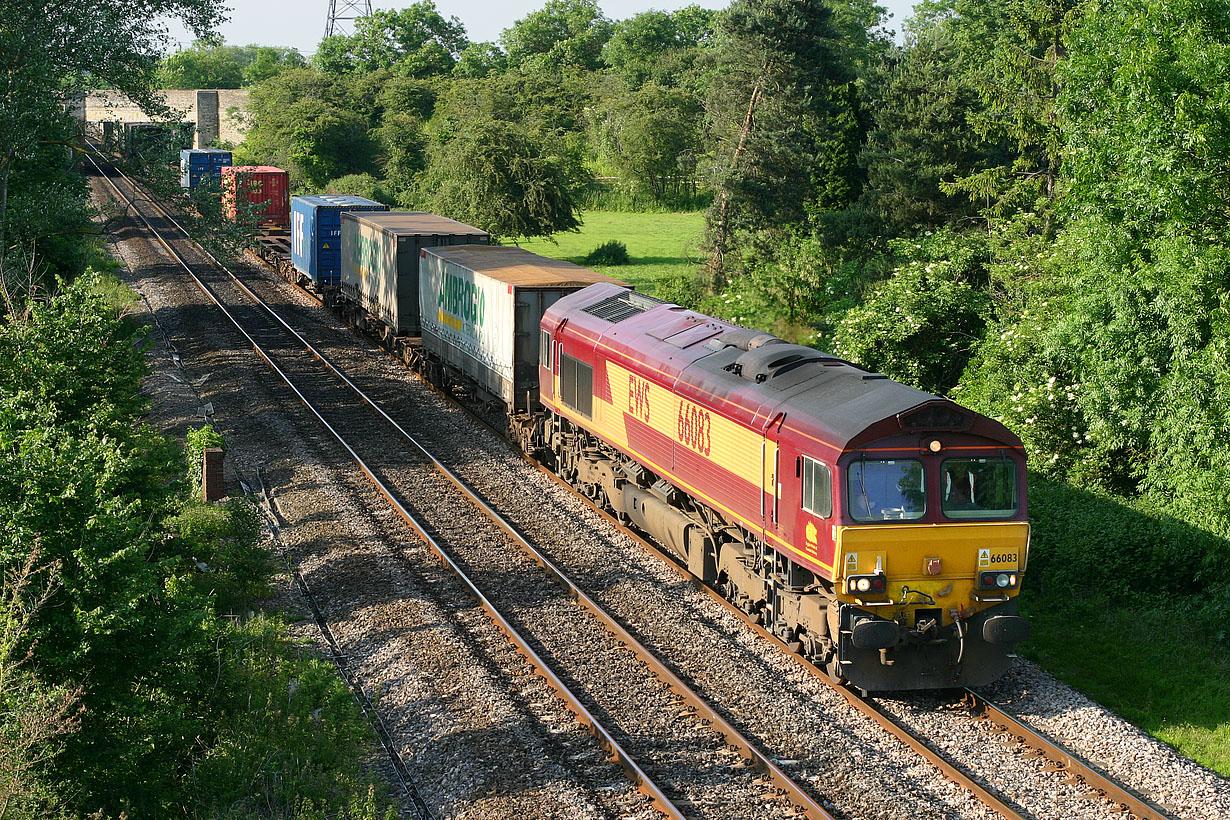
column 879, row 530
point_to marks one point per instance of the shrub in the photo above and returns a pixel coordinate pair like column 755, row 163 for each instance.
column 223, row 543
column 613, row 252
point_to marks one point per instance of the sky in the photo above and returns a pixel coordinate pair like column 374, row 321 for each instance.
column 301, row 23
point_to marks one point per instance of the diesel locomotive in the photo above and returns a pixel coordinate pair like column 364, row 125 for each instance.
column 880, row 530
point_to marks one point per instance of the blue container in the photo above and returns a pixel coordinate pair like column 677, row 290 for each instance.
column 316, row 233
column 197, row 165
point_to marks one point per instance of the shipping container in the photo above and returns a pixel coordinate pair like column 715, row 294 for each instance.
column 256, row 194
column 380, row 261
column 197, row 165
column 316, row 233
column 480, row 307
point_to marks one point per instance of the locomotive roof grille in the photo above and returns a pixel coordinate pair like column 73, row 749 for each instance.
column 622, row 306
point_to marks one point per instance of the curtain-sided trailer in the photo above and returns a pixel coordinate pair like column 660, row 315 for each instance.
column 481, row 307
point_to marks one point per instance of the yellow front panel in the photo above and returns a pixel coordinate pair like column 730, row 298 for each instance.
column 903, row 553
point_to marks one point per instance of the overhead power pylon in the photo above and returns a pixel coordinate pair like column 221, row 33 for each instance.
column 345, row 11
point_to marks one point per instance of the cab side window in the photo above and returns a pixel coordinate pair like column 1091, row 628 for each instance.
column 544, row 349
column 817, row 488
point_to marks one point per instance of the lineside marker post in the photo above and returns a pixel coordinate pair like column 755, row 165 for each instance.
column 211, row 475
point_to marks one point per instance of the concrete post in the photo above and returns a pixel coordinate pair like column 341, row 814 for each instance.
column 206, row 117
column 211, row 475
column 74, row 104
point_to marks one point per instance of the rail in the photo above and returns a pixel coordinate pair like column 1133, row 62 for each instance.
column 749, row 752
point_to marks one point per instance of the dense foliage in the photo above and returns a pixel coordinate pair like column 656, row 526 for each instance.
column 208, row 65
column 121, row 661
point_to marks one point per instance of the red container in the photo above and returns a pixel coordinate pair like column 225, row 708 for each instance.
column 262, row 189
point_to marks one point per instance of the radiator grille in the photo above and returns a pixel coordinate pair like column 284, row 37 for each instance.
column 623, row 306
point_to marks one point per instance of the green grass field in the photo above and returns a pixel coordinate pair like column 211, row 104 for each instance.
column 661, row 245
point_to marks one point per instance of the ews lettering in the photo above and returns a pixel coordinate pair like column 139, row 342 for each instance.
column 695, row 428
column 638, row 398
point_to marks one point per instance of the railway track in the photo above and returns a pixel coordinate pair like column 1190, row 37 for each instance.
column 1066, row 767
column 680, row 729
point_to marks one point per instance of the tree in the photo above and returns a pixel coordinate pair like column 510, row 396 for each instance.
column 563, row 33
column 302, row 123
column 1010, row 52
column 493, row 174
column 47, row 50
column 638, row 44
column 480, row 60
column 416, row 41
column 922, row 324
column 922, row 138
column 785, row 118
column 211, row 65
column 1143, row 101
column 651, row 139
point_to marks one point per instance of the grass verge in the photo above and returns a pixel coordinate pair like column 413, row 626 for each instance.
column 1153, row 666
column 660, row 245
column 1130, row 605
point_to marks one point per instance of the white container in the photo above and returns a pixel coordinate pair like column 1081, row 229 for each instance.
column 480, row 308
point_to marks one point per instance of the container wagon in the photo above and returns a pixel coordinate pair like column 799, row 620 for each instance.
column 380, row 265
column 480, row 308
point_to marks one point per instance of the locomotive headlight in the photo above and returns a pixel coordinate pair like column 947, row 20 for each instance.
column 875, row 584
column 935, row 446
column 998, row 580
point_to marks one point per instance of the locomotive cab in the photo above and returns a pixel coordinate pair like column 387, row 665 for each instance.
column 931, row 542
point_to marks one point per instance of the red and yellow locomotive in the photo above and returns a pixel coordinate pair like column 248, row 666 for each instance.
column 879, row 529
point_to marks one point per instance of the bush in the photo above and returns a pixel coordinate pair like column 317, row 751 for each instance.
column 223, row 543
column 608, row 253
column 288, row 739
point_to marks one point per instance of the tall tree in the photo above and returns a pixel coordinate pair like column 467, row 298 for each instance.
column 563, row 33
column 494, row 175
column 209, row 65
column 640, row 43
column 651, row 138
column 922, row 138
column 785, row 115
column 1010, row 51
column 416, row 41
column 304, row 122
column 1144, row 104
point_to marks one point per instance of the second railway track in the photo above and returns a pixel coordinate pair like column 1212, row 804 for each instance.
column 685, row 729
column 661, row 730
